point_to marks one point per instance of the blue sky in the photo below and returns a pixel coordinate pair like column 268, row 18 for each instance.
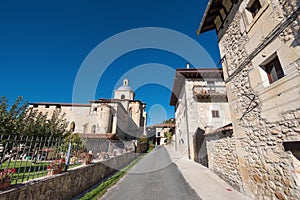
column 43, row 44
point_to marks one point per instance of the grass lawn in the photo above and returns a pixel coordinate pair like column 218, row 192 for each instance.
column 28, row 170
column 25, row 170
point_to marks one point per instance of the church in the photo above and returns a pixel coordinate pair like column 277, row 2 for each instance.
column 122, row 117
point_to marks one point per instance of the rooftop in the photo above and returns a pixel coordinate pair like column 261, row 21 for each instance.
column 166, row 125
column 125, row 86
column 199, row 74
column 102, row 100
column 226, row 128
column 213, row 10
column 59, row 104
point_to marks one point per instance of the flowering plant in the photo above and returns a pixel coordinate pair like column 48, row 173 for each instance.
column 87, row 158
column 7, row 174
column 57, row 164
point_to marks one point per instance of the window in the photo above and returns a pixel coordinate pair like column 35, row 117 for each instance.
column 125, row 82
column 93, row 129
column 47, row 106
column 85, row 126
column 130, row 113
column 273, row 70
column 294, row 147
column 215, row 113
column 72, row 126
column 254, row 7
column 95, row 109
column 123, row 96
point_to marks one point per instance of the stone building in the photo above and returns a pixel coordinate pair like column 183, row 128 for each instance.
column 260, row 53
column 199, row 98
column 122, row 115
column 156, row 133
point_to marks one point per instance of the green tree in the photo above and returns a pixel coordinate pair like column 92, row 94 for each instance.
column 168, row 135
column 21, row 120
column 169, row 121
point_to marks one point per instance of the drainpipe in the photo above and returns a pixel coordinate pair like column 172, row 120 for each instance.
column 175, row 139
column 186, row 121
column 109, row 146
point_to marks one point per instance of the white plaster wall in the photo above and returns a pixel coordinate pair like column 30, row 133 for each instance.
column 199, row 115
column 79, row 115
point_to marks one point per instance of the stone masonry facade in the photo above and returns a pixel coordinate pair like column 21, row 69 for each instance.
column 222, row 158
column 265, row 116
column 266, row 170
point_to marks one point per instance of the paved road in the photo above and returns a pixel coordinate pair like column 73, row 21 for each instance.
column 154, row 177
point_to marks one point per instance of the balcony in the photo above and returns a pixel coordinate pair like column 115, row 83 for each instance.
column 210, row 93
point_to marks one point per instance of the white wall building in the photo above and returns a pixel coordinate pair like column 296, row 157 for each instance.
column 122, row 115
column 199, row 97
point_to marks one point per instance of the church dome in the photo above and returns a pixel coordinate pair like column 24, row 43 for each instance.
column 125, row 92
column 125, row 86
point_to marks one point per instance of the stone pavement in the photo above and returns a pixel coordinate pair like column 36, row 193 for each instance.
column 206, row 183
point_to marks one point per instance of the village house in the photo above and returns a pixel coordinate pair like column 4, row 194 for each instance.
column 260, row 53
column 156, row 133
column 122, row 116
column 199, row 98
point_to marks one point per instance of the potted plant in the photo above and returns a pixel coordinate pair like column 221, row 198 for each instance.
column 87, row 158
column 5, row 177
column 56, row 166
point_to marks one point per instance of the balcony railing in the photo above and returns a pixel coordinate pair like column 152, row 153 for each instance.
column 210, row 93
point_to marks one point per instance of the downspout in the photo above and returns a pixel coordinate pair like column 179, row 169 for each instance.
column 186, row 121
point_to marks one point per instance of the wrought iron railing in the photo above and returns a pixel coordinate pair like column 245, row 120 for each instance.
column 30, row 157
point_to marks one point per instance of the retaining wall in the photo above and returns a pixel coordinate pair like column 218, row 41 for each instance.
column 69, row 184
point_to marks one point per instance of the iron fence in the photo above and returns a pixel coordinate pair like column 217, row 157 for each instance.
column 26, row 158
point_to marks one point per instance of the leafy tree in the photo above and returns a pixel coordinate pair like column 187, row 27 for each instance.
column 78, row 143
column 168, row 135
column 169, row 121
column 23, row 121
column 12, row 119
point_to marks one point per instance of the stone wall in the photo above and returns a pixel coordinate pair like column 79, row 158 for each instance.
column 222, row 158
column 265, row 169
column 69, row 184
column 181, row 126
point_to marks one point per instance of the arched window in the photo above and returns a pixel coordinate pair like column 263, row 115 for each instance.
column 130, row 112
column 93, row 129
column 125, row 82
column 123, row 96
column 72, row 126
column 130, row 118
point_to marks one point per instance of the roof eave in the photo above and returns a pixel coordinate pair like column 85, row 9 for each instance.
column 199, row 30
column 181, row 76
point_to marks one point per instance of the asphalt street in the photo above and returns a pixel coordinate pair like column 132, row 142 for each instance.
column 153, row 177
